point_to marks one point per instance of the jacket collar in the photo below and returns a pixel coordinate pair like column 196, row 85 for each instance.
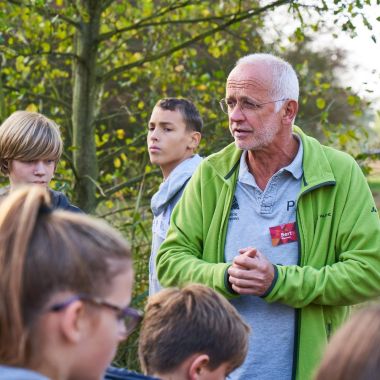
column 316, row 167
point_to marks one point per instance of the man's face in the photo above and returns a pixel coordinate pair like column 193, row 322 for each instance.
column 169, row 142
column 253, row 126
column 39, row 172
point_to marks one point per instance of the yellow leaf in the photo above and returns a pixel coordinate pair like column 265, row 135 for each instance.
column 109, row 204
column 137, row 56
column 321, row 103
column 45, row 46
column 120, row 134
column 31, row 108
column 140, row 105
column 117, row 162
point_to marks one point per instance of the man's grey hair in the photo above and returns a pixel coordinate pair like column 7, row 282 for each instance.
column 284, row 79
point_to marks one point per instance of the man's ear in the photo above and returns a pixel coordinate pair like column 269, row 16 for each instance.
column 198, row 367
column 195, row 139
column 290, row 111
column 74, row 322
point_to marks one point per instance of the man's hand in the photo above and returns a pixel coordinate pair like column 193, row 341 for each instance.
column 251, row 272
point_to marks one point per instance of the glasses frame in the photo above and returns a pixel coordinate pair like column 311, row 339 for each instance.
column 122, row 313
column 255, row 106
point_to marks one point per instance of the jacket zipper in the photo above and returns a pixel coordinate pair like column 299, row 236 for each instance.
column 297, row 319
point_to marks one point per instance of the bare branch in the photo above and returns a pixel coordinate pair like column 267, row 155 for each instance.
column 247, row 14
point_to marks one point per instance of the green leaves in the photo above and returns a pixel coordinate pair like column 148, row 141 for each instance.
column 321, row 103
column 141, row 51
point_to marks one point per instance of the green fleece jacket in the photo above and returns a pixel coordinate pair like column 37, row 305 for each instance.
column 339, row 242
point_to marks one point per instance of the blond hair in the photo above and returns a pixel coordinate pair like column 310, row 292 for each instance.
column 28, row 136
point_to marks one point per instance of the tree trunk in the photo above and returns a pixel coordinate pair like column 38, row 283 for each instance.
column 86, row 99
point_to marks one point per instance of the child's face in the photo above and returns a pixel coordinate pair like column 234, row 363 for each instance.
column 107, row 330
column 169, row 142
column 38, row 172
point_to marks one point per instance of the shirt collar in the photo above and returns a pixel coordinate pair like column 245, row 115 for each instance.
column 294, row 168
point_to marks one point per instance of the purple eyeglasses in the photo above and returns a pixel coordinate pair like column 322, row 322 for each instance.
column 131, row 317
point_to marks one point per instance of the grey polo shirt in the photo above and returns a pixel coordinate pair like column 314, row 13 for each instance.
column 266, row 220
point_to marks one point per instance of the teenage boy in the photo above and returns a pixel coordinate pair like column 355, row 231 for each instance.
column 191, row 333
column 174, row 132
column 30, row 148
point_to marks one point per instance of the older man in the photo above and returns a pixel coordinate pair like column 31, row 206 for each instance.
column 284, row 226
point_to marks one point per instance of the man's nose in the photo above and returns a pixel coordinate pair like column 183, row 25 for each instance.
column 236, row 114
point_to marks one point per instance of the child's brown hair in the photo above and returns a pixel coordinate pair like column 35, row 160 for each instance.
column 194, row 319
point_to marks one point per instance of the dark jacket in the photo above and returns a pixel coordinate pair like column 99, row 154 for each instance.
column 60, row 201
column 114, row 373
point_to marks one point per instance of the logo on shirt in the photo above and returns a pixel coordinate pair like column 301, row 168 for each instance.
column 290, row 205
column 283, row 234
column 235, row 204
column 234, row 207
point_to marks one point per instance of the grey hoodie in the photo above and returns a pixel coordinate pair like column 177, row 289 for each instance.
column 15, row 373
column 162, row 205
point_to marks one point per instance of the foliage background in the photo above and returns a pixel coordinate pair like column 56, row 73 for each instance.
column 98, row 68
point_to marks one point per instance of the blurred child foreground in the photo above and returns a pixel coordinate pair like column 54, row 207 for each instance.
column 65, row 283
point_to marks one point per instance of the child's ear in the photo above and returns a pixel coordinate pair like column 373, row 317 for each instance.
column 74, row 322
column 198, row 367
column 195, row 139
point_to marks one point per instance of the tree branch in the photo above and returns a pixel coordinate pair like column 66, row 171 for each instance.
column 105, row 157
column 38, row 53
column 45, row 11
column 130, row 182
column 69, row 160
column 165, row 22
column 106, row 4
column 127, row 208
column 142, row 23
column 247, row 14
column 41, row 96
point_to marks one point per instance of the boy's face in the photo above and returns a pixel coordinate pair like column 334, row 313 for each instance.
column 169, row 142
column 39, row 172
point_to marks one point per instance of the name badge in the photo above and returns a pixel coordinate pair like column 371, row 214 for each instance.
column 283, row 234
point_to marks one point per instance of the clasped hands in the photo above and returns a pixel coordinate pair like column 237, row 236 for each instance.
column 251, row 272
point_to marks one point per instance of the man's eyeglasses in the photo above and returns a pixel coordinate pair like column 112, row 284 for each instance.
column 245, row 104
column 131, row 317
